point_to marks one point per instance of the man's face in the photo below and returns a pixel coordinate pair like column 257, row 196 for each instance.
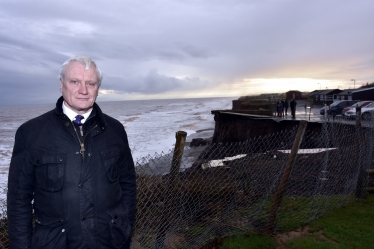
column 79, row 87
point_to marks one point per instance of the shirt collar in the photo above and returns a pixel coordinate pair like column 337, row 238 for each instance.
column 71, row 114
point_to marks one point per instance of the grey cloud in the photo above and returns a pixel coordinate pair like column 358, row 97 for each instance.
column 182, row 52
column 153, row 83
column 204, row 41
column 194, row 51
column 20, row 88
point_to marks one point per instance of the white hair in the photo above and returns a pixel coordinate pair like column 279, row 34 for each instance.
column 85, row 60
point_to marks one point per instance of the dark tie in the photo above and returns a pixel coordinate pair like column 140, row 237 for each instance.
column 78, row 119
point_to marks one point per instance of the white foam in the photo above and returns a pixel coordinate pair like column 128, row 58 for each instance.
column 5, row 155
column 154, row 132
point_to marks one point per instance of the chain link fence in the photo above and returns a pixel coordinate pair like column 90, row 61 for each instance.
column 266, row 184
column 233, row 189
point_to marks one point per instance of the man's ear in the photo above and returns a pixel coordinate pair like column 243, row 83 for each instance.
column 60, row 86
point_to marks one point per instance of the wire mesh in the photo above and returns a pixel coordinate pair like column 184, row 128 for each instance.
column 229, row 189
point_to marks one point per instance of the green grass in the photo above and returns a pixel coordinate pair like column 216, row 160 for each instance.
column 294, row 211
column 310, row 242
column 248, row 242
column 347, row 227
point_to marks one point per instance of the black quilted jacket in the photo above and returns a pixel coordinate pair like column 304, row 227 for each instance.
column 82, row 196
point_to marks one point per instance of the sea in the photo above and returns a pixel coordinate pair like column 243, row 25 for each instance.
column 151, row 125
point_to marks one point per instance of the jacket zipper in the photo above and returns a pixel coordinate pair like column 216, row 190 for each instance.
column 81, row 143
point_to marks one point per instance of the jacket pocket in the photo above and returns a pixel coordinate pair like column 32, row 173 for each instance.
column 119, row 224
column 49, row 233
column 112, row 161
column 49, row 171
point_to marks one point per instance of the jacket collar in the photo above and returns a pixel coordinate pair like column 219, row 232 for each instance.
column 96, row 111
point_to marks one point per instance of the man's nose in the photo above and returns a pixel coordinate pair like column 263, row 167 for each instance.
column 83, row 88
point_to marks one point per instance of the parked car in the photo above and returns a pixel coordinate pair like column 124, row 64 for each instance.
column 366, row 112
column 358, row 104
column 337, row 107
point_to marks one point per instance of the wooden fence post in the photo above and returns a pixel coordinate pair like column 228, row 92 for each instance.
column 180, row 137
column 286, row 173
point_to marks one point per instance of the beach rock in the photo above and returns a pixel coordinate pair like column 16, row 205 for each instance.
column 198, row 142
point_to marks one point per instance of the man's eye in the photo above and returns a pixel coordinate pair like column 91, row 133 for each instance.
column 74, row 82
column 91, row 84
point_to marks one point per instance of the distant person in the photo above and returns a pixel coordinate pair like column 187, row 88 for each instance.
column 286, row 105
column 282, row 107
column 275, row 108
column 72, row 181
column 293, row 108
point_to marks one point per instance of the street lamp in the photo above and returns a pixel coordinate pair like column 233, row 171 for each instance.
column 319, row 86
column 354, row 83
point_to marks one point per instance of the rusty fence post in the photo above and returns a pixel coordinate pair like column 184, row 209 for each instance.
column 173, row 178
column 286, row 173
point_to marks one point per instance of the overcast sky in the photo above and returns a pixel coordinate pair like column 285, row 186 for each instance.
column 186, row 48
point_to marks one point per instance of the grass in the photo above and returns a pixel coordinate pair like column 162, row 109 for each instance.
column 293, row 210
column 248, row 242
column 345, row 228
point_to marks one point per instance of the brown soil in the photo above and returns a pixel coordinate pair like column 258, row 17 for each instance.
column 303, row 232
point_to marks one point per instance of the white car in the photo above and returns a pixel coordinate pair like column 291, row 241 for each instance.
column 366, row 112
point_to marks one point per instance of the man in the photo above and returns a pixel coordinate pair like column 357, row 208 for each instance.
column 282, row 108
column 293, row 108
column 286, row 105
column 73, row 168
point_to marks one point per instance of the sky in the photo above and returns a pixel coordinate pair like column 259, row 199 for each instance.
column 186, row 48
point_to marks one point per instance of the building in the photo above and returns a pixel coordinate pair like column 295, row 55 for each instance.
column 272, row 97
column 363, row 94
column 294, row 94
column 355, row 94
column 344, row 95
column 321, row 97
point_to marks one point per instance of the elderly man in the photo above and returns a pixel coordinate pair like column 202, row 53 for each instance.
column 72, row 172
